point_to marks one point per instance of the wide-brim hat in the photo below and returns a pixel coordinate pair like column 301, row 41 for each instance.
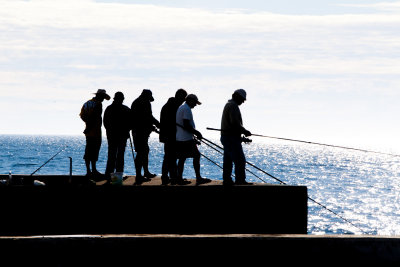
column 102, row 92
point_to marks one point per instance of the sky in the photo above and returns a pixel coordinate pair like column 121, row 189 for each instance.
column 316, row 70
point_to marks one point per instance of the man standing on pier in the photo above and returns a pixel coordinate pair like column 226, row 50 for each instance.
column 186, row 144
column 231, row 131
column 91, row 114
column 117, row 123
column 168, row 137
column 143, row 124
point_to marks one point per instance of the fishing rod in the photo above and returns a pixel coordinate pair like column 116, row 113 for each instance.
column 202, row 140
column 251, row 164
column 48, row 161
column 249, row 171
column 133, row 154
column 315, row 143
column 216, row 164
column 313, row 200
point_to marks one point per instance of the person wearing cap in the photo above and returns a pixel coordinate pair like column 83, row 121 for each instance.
column 117, row 123
column 91, row 114
column 168, row 137
column 186, row 144
column 231, row 131
column 143, row 123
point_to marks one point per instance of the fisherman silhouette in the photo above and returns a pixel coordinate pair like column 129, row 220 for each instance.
column 186, row 144
column 143, row 124
column 168, row 137
column 231, row 131
column 91, row 114
column 117, row 123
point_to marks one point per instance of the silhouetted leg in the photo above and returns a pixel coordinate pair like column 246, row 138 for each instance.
column 139, row 147
column 240, row 172
column 196, row 166
column 181, row 164
column 145, row 160
column 92, row 149
column 112, row 151
column 172, row 168
column 164, row 168
column 138, row 164
column 169, row 163
column 227, row 164
column 227, row 168
column 119, row 166
column 240, row 162
column 87, row 163
column 94, row 169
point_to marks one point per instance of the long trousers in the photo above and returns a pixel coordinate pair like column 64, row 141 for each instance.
column 233, row 154
column 169, row 162
column 116, row 153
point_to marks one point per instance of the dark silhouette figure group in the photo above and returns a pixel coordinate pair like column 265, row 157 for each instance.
column 177, row 131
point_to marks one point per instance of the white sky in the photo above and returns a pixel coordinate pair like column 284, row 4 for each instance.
column 324, row 71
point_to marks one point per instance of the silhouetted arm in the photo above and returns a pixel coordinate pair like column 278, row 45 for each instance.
column 188, row 127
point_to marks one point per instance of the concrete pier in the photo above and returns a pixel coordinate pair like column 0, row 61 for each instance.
column 247, row 249
column 62, row 208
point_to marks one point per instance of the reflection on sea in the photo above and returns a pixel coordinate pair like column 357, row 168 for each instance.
column 361, row 187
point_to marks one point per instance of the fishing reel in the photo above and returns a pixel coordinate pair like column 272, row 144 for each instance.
column 246, row 140
column 197, row 141
column 156, row 130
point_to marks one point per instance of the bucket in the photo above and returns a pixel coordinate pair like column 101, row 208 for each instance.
column 116, row 178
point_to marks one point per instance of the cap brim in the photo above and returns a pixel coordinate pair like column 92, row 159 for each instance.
column 198, row 103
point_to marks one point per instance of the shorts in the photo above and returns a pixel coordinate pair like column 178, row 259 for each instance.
column 92, row 149
column 141, row 143
column 187, row 149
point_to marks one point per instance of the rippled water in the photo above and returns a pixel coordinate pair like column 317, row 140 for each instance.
column 361, row 187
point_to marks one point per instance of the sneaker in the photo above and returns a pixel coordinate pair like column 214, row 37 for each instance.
column 165, row 180
column 200, row 181
column 97, row 176
column 243, row 183
column 180, row 182
column 227, row 183
column 149, row 175
column 107, row 183
column 139, row 180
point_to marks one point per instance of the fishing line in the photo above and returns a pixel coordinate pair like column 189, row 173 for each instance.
column 205, row 139
column 254, row 166
column 133, row 154
column 316, row 202
column 341, row 217
column 315, row 143
column 273, row 177
column 216, row 164
column 48, row 161
column 249, row 171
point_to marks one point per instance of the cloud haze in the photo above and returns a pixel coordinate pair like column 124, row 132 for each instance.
column 307, row 75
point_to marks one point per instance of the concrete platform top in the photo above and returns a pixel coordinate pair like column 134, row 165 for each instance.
column 129, row 180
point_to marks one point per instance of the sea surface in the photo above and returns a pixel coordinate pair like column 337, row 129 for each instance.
column 362, row 188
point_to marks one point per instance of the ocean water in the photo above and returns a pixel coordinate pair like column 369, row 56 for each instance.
column 361, row 187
